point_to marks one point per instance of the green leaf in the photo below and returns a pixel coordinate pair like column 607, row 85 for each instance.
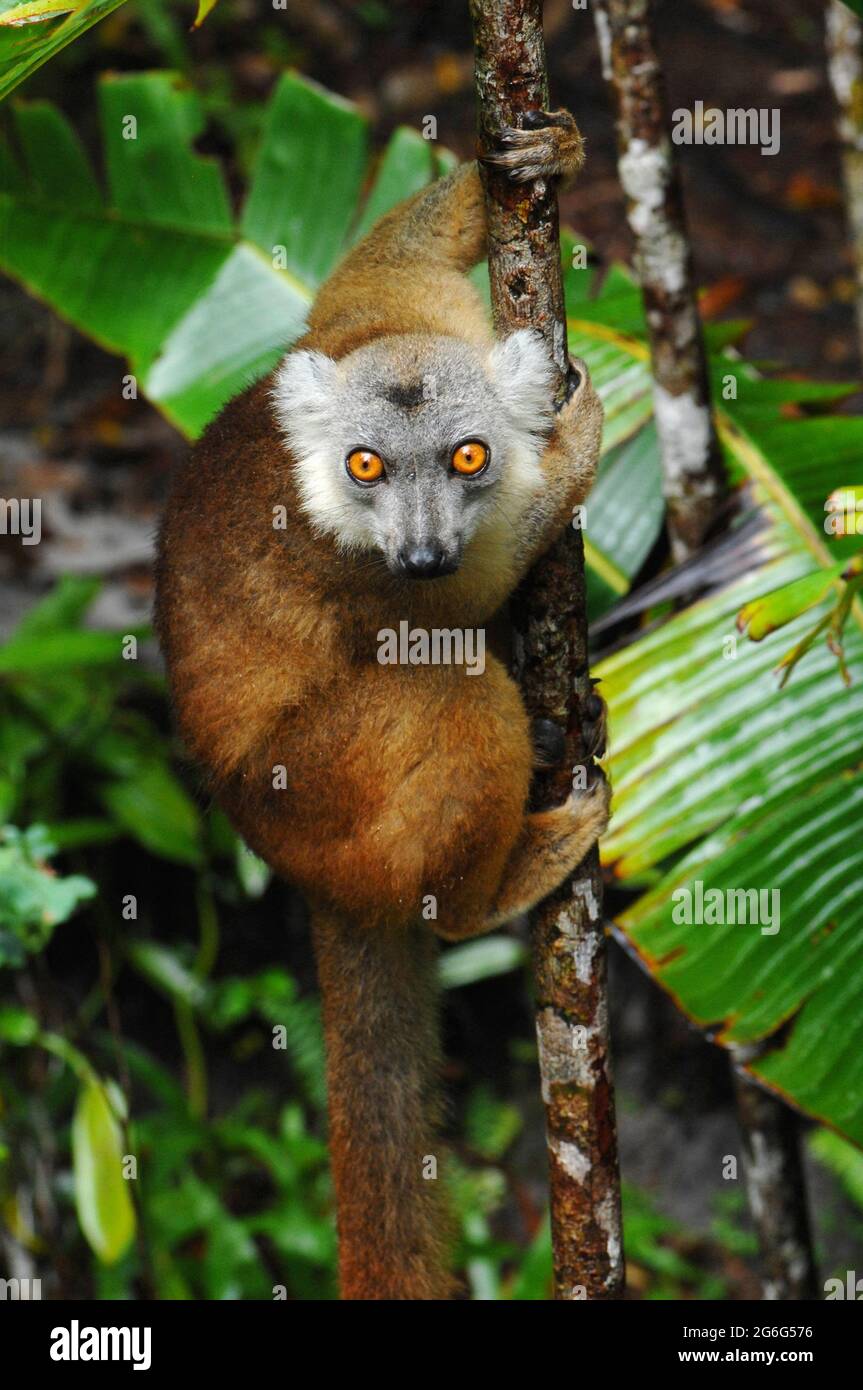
column 154, row 267
column 17, row 1026
column 723, row 783
column 533, row 1281
column 205, row 7
column 63, row 608
column 60, row 651
column 254, row 875
column 491, row 1125
column 105, row 1211
column 772, row 611
column 845, row 1160
column 164, row 969
column 625, row 511
column 33, row 899
column 406, row 167
column 25, row 45
column 146, row 799
column 481, row 959
column 34, row 12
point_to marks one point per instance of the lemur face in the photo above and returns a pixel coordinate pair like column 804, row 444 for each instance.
column 408, row 446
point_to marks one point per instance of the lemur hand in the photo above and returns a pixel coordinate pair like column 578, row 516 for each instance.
column 549, row 145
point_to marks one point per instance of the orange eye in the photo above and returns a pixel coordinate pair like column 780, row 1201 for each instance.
column 470, row 458
column 365, row 466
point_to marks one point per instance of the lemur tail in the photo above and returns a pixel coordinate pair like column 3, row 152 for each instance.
column 383, row 1068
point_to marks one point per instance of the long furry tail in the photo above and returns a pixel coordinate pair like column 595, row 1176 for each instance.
column 383, row 1069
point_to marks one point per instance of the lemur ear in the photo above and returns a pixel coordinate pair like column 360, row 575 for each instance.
column 522, row 370
column 303, row 397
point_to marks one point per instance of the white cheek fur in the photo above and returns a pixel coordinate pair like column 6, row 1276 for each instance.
column 329, row 506
column 302, row 397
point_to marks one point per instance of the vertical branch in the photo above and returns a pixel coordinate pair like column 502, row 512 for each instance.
column 845, row 62
column 692, row 474
column 693, row 483
column 552, row 660
column 776, row 1189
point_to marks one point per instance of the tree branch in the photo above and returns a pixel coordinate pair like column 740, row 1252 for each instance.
column 776, row 1189
column 845, row 63
column 550, row 622
column 692, row 475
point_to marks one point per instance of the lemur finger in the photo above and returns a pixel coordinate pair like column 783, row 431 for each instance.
column 593, row 727
column 590, row 808
column 576, row 373
column 538, row 120
column 548, row 145
column 549, row 743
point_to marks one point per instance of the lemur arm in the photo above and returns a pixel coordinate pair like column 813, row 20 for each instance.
column 568, row 466
column 408, row 274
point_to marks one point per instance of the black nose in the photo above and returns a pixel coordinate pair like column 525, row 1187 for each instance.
column 423, row 561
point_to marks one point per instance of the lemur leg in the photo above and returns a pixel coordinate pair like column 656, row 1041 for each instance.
column 552, row 844
column 445, row 222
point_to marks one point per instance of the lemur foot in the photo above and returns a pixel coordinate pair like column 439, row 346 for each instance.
column 549, row 740
column 549, row 145
column 593, row 724
column 575, row 375
column 590, row 811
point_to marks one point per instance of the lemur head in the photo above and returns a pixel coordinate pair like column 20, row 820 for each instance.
column 409, row 445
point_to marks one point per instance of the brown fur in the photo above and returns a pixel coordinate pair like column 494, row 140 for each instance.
column 403, row 782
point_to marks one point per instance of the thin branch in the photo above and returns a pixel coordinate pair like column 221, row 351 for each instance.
column 552, row 662
column 776, row 1189
column 845, row 63
column 692, row 474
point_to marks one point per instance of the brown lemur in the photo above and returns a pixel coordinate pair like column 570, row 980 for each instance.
column 399, row 464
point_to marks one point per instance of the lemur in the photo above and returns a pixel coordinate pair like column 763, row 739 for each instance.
column 418, row 467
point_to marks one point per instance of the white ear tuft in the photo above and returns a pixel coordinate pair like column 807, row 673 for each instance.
column 303, row 396
column 522, row 370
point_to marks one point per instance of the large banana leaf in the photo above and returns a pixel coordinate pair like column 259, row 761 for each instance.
column 156, row 267
column 722, row 779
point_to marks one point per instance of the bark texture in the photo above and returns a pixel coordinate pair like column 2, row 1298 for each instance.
column 550, row 638
column 845, row 62
column 776, row 1189
column 693, row 480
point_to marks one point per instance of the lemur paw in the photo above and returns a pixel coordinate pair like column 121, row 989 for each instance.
column 590, row 807
column 593, row 725
column 549, row 145
column 576, row 374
